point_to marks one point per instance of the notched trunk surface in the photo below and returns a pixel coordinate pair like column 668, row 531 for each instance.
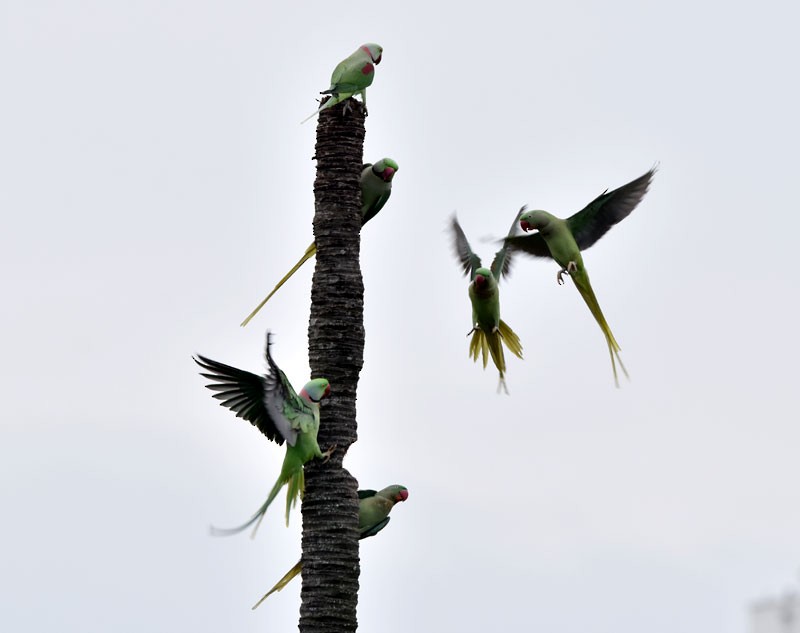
column 336, row 352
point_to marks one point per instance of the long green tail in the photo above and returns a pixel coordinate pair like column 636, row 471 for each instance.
column 581, row 279
column 256, row 518
column 491, row 344
column 287, row 578
column 310, row 252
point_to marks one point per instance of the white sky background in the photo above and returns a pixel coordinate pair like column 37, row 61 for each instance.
column 156, row 182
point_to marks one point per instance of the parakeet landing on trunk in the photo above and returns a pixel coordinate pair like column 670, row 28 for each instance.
column 270, row 403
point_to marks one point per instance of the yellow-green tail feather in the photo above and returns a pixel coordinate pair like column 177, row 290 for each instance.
column 310, row 252
column 294, row 490
column 581, row 279
column 287, row 578
column 491, row 344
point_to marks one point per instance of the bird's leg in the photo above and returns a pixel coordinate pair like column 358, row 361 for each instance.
column 327, row 454
column 474, row 329
column 570, row 268
column 364, row 102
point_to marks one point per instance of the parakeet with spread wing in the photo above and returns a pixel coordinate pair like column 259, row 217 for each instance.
column 489, row 331
column 270, row 404
column 564, row 239
column 376, row 187
column 353, row 75
column 373, row 515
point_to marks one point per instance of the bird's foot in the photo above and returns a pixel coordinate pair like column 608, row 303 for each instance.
column 327, row 454
column 571, row 268
column 475, row 329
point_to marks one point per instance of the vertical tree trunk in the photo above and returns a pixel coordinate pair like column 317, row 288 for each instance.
column 336, row 352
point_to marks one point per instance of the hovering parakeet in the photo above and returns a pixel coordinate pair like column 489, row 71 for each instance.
column 488, row 328
column 373, row 515
column 352, row 75
column 270, row 403
column 376, row 187
column 563, row 240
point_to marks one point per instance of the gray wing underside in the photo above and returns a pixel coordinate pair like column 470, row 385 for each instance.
column 470, row 262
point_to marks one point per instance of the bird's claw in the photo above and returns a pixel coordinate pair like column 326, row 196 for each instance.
column 472, row 330
column 327, row 454
column 571, row 268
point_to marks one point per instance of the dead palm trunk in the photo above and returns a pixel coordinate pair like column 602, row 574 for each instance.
column 336, row 351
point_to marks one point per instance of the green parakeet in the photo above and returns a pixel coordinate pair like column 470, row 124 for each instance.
column 489, row 330
column 563, row 240
column 376, row 187
column 270, row 404
column 373, row 515
column 351, row 76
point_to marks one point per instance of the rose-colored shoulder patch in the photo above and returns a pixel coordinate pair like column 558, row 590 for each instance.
column 367, row 69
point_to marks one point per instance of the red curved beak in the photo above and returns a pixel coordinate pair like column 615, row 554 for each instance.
column 388, row 174
column 525, row 225
column 402, row 495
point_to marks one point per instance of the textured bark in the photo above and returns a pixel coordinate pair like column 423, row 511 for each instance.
column 336, row 351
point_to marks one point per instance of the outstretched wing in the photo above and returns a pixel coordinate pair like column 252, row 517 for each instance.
column 243, row 393
column 290, row 413
column 470, row 262
column 501, row 264
column 592, row 223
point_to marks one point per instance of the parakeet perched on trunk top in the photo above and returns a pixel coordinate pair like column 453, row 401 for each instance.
column 376, row 187
column 563, row 241
column 373, row 515
column 488, row 329
column 352, row 75
column 271, row 404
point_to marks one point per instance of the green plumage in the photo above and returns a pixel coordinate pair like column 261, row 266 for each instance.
column 376, row 187
column 271, row 404
column 564, row 239
column 373, row 515
column 353, row 75
column 489, row 331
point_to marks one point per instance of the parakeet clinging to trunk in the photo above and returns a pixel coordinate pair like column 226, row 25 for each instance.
column 563, row 241
column 373, row 515
column 352, row 75
column 489, row 331
column 270, row 403
column 376, row 187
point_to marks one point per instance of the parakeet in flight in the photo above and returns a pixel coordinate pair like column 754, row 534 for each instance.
column 270, row 404
column 373, row 515
column 563, row 241
column 376, row 187
column 488, row 330
column 351, row 76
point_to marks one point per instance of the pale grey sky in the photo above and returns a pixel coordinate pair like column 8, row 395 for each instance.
column 156, row 182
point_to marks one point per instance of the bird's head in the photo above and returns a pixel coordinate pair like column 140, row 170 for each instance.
column 385, row 169
column 395, row 493
column 483, row 278
column 534, row 220
column 315, row 390
column 375, row 51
